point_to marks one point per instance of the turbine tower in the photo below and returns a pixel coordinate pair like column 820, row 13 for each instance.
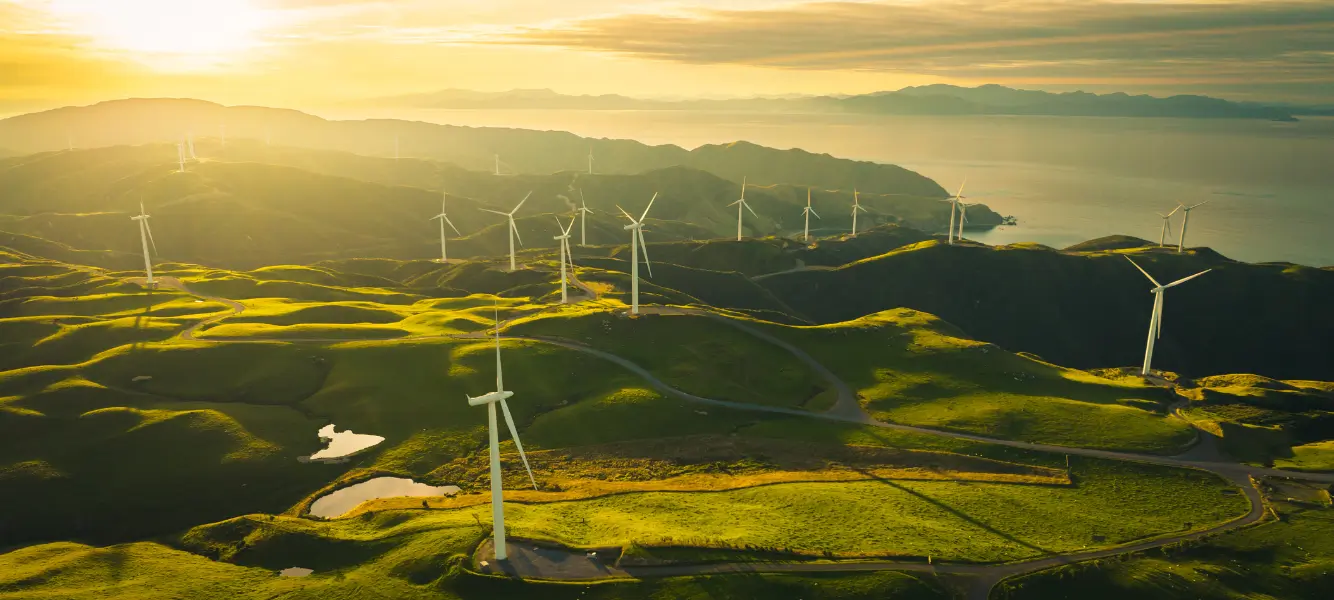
column 954, row 205
column 1185, row 218
column 1167, row 222
column 808, row 211
column 146, row 238
column 514, row 230
column 856, row 206
column 443, row 219
column 180, row 156
column 584, row 211
column 590, row 160
column 636, row 229
column 490, row 400
column 564, row 239
column 740, row 204
column 190, row 144
column 1156, row 318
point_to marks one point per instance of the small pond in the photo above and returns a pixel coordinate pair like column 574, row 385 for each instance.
column 342, row 444
column 341, row 501
column 295, row 572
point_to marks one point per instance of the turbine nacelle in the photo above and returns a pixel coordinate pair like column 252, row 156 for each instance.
column 489, row 398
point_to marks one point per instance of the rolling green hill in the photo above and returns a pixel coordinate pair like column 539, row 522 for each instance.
column 304, row 206
column 1091, row 309
column 143, row 121
column 1288, row 424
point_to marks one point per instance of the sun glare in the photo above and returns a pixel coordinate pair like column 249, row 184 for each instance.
column 168, row 33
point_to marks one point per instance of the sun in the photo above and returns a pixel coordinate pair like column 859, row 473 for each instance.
column 168, row 33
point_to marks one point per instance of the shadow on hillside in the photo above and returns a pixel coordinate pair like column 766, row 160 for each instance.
column 956, row 512
column 142, row 318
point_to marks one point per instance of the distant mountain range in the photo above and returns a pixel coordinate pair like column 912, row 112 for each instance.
column 511, row 151
column 936, row 99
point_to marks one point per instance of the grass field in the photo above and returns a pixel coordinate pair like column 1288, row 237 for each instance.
column 693, row 354
column 426, row 569
column 1290, row 559
column 910, row 367
column 1286, row 424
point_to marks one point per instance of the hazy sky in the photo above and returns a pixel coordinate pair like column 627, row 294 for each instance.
column 317, row 52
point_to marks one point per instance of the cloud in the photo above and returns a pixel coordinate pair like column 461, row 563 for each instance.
column 998, row 40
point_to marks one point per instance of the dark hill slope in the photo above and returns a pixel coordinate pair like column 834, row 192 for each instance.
column 1092, row 309
column 139, row 121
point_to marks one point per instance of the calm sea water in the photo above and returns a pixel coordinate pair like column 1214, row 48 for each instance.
column 1067, row 179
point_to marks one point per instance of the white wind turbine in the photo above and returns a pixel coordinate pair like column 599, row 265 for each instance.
column 514, row 230
column 1167, row 222
column 636, row 229
column 443, row 219
column 564, row 239
column 954, row 205
column 740, row 204
column 856, row 206
column 808, row 211
column 146, row 238
column 490, row 400
column 1156, row 319
column 1185, row 218
column 583, row 211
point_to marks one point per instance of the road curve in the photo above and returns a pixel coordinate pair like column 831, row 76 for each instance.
column 848, row 410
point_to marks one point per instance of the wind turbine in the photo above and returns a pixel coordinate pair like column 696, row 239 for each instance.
column 1156, row 319
column 636, row 229
column 190, row 140
column 564, row 239
column 954, row 205
column 808, row 211
column 740, row 204
column 490, row 400
column 590, row 160
column 180, row 156
column 1185, row 218
column 1167, row 218
column 514, row 230
column 583, row 211
column 146, row 238
column 856, row 206
column 443, row 219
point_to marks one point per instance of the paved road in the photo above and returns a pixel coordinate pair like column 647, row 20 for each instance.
column 848, row 409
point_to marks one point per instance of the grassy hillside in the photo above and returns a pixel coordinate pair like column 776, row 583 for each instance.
column 293, row 206
column 475, row 148
column 910, row 367
column 426, row 568
column 1290, row 558
column 1287, row 424
column 1091, row 309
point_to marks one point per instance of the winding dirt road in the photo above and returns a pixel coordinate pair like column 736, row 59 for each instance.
column 848, row 409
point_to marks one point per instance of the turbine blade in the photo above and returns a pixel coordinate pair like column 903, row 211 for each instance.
column 1146, row 273
column 514, row 434
column 643, row 246
column 1174, row 211
column 1185, row 279
column 627, row 215
column 149, row 229
column 494, row 211
column 525, row 199
column 451, row 225
column 736, row 203
column 752, row 212
column 743, row 188
column 567, row 230
column 141, row 207
column 1158, row 315
column 650, row 205
column 1199, row 205
column 515, row 229
column 959, row 194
